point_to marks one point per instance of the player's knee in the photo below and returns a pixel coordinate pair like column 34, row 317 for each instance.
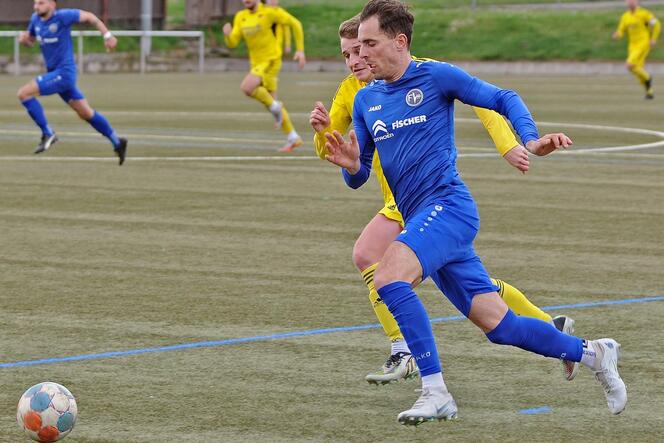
column 85, row 114
column 362, row 257
column 22, row 94
column 507, row 332
column 382, row 277
column 630, row 67
column 248, row 90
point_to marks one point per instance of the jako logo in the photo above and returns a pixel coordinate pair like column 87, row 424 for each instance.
column 375, row 108
column 379, row 126
column 414, row 97
column 423, row 355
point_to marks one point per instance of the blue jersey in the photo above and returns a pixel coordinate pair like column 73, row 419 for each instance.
column 54, row 37
column 411, row 123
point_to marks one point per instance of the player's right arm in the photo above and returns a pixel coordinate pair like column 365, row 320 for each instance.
column 359, row 151
column 338, row 119
column 622, row 27
column 28, row 38
column 233, row 33
column 655, row 28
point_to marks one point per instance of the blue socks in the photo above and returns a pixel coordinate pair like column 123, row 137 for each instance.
column 36, row 112
column 102, row 126
column 536, row 336
column 414, row 323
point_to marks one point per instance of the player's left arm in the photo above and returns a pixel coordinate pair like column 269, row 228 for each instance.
column 89, row 18
column 455, row 83
column 655, row 28
column 281, row 16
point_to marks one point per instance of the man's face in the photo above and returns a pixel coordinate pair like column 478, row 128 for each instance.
column 377, row 48
column 250, row 4
column 350, row 49
column 632, row 3
column 44, row 8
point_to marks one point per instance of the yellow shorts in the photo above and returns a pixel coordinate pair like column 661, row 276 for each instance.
column 268, row 71
column 636, row 55
column 390, row 211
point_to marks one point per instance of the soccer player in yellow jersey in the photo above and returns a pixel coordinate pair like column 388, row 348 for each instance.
column 642, row 29
column 388, row 223
column 254, row 25
column 282, row 32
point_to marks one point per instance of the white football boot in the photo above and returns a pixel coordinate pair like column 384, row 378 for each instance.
column 566, row 325
column 606, row 372
column 432, row 405
column 399, row 366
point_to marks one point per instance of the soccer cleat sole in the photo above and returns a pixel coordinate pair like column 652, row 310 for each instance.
column 395, row 380
column 416, row 421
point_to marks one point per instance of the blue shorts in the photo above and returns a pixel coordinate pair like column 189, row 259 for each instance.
column 442, row 235
column 61, row 82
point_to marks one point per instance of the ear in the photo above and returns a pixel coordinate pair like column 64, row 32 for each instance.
column 401, row 42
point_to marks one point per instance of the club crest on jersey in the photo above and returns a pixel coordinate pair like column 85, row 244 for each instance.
column 53, row 27
column 414, row 97
column 379, row 126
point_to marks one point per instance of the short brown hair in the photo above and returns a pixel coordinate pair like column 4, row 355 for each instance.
column 348, row 29
column 394, row 18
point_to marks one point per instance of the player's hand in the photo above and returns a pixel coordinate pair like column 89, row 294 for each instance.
column 518, row 157
column 615, row 36
column 652, row 43
column 287, row 49
column 319, row 119
column 111, row 44
column 345, row 154
column 549, row 143
column 228, row 29
column 25, row 38
column 300, row 58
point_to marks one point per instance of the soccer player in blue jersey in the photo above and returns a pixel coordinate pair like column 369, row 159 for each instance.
column 407, row 114
column 51, row 27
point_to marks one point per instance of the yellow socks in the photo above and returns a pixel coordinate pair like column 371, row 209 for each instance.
column 384, row 315
column 519, row 303
column 262, row 95
column 287, row 125
column 641, row 74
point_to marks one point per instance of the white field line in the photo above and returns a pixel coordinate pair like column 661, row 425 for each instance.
column 623, row 148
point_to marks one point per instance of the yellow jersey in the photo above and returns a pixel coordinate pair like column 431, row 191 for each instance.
column 641, row 26
column 255, row 27
column 341, row 117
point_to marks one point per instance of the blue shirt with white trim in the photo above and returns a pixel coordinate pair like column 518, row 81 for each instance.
column 411, row 124
column 54, row 37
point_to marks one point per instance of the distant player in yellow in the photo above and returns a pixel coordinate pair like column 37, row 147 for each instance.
column 642, row 29
column 254, row 25
column 388, row 223
column 282, row 32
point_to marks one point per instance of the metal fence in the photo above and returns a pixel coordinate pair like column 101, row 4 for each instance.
column 145, row 35
column 127, row 12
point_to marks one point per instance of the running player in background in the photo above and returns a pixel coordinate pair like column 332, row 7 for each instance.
column 254, row 25
column 384, row 228
column 51, row 28
column 642, row 29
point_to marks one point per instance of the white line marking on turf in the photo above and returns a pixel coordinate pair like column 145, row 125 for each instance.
column 623, row 148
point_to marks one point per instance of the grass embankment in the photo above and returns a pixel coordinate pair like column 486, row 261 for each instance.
column 458, row 34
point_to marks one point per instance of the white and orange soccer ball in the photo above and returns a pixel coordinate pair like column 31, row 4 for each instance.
column 47, row 412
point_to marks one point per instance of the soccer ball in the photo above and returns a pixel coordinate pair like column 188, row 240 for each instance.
column 47, row 412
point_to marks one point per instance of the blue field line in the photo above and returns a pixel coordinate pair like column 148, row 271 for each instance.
column 533, row 411
column 286, row 335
